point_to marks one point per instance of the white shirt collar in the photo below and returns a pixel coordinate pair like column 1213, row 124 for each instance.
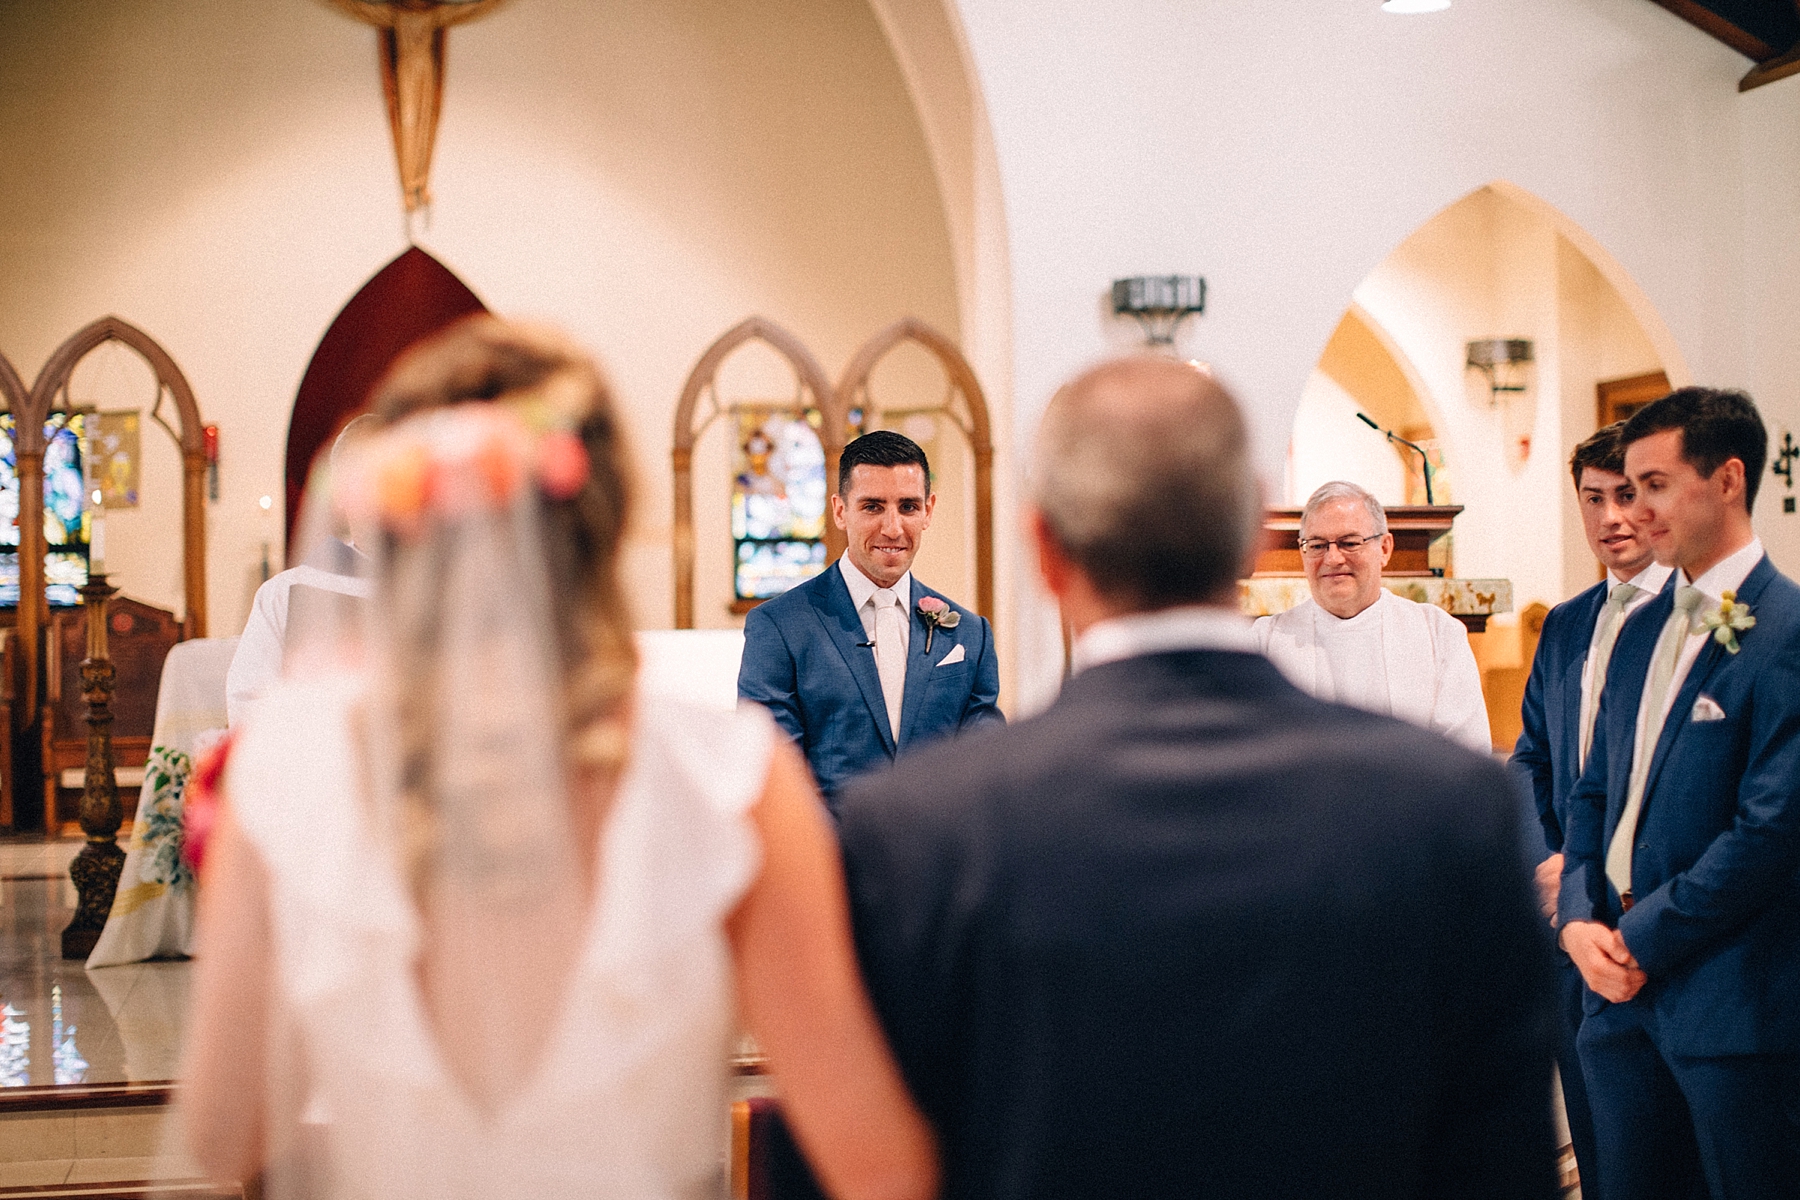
column 1650, row 579
column 1729, row 573
column 1189, row 627
column 862, row 587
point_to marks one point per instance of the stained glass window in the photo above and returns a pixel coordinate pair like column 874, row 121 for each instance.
column 65, row 516
column 777, row 501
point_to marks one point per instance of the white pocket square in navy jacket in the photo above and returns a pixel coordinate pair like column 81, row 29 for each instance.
column 956, row 655
column 1707, row 709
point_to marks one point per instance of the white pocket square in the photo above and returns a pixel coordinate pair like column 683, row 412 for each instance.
column 956, row 655
column 1706, row 709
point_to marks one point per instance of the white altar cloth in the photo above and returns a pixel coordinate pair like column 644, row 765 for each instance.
column 153, row 910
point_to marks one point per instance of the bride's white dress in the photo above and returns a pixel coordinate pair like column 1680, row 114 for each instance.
column 629, row 1098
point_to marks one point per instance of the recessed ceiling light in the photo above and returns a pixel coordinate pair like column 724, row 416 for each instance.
column 1415, row 6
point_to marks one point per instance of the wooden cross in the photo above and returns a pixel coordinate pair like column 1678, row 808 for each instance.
column 412, row 76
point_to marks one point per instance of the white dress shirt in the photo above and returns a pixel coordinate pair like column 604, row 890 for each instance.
column 1649, row 581
column 1190, row 627
column 1726, row 575
column 862, row 591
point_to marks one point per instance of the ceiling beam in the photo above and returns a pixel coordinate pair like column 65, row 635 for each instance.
column 1769, row 70
column 1708, row 21
column 1772, row 61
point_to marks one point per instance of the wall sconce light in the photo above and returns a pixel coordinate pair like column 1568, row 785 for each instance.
column 1505, row 361
column 1159, row 303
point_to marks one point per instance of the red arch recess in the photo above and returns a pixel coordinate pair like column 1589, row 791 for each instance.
column 411, row 297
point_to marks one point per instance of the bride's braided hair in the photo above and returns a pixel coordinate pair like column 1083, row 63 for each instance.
column 480, row 359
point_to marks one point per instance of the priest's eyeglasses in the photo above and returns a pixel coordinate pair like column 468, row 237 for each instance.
column 1320, row 547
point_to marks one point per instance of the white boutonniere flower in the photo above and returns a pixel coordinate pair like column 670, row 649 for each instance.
column 1728, row 621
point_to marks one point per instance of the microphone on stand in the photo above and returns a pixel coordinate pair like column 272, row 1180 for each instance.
column 1424, row 458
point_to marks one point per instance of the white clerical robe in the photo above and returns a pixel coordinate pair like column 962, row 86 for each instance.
column 1396, row 657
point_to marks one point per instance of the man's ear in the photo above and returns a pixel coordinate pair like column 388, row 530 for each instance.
column 837, row 511
column 1053, row 565
column 1730, row 479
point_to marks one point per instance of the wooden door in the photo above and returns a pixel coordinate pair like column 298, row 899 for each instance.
column 1617, row 399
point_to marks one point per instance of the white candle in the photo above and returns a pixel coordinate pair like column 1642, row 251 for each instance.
column 97, row 543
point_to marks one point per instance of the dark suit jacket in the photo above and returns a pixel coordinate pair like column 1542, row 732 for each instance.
column 804, row 660
column 1716, row 870
column 1192, row 932
column 1544, row 758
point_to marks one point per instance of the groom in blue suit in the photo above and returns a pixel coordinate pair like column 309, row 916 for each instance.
column 863, row 662
column 1680, row 899
column 1562, row 699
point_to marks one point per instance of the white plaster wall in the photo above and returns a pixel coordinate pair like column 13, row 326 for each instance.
column 1771, row 240
column 1599, row 340
column 1485, row 268
column 1283, row 151
column 1330, row 443
column 645, row 175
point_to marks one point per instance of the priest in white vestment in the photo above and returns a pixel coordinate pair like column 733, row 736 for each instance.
column 1357, row 643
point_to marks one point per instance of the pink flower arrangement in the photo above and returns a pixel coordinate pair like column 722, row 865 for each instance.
column 200, row 803
column 452, row 462
column 937, row 615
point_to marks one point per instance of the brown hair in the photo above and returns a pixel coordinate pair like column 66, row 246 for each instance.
column 1716, row 424
column 1604, row 451
column 483, row 358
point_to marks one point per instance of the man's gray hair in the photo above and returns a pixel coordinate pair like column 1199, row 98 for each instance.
column 1142, row 472
column 1342, row 489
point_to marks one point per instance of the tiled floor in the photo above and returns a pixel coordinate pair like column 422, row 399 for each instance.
column 60, row 1022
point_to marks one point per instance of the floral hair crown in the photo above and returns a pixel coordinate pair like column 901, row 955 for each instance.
column 449, row 463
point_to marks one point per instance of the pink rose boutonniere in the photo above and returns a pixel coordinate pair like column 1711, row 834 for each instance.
column 936, row 615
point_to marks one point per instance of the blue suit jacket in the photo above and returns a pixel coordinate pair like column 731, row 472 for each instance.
column 1543, row 761
column 805, row 661
column 1715, row 873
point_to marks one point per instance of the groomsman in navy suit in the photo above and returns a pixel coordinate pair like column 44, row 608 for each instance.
column 1680, row 899
column 863, row 662
column 1562, row 699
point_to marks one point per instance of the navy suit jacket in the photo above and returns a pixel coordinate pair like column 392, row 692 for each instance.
column 1715, row 873
column 805, row 661
column 1193, row 932
column 1544, row 759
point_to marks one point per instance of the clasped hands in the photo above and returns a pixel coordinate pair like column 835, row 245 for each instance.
column 1599, row 953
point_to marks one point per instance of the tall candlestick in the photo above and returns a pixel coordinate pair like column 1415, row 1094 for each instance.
column 97, row 537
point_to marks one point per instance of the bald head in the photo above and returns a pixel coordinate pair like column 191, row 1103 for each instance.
column 1143, row 476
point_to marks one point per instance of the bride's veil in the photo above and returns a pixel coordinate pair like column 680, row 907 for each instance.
column 490, row 662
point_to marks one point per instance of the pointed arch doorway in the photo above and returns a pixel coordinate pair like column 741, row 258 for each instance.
column 411, row 297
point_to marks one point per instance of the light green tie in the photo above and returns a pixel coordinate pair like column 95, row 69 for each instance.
column 1612, row 618
column 1656, row 691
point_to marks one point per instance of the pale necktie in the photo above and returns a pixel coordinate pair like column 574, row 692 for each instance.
column 1656, row 692
column 890, row 653
column 1612, row 617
